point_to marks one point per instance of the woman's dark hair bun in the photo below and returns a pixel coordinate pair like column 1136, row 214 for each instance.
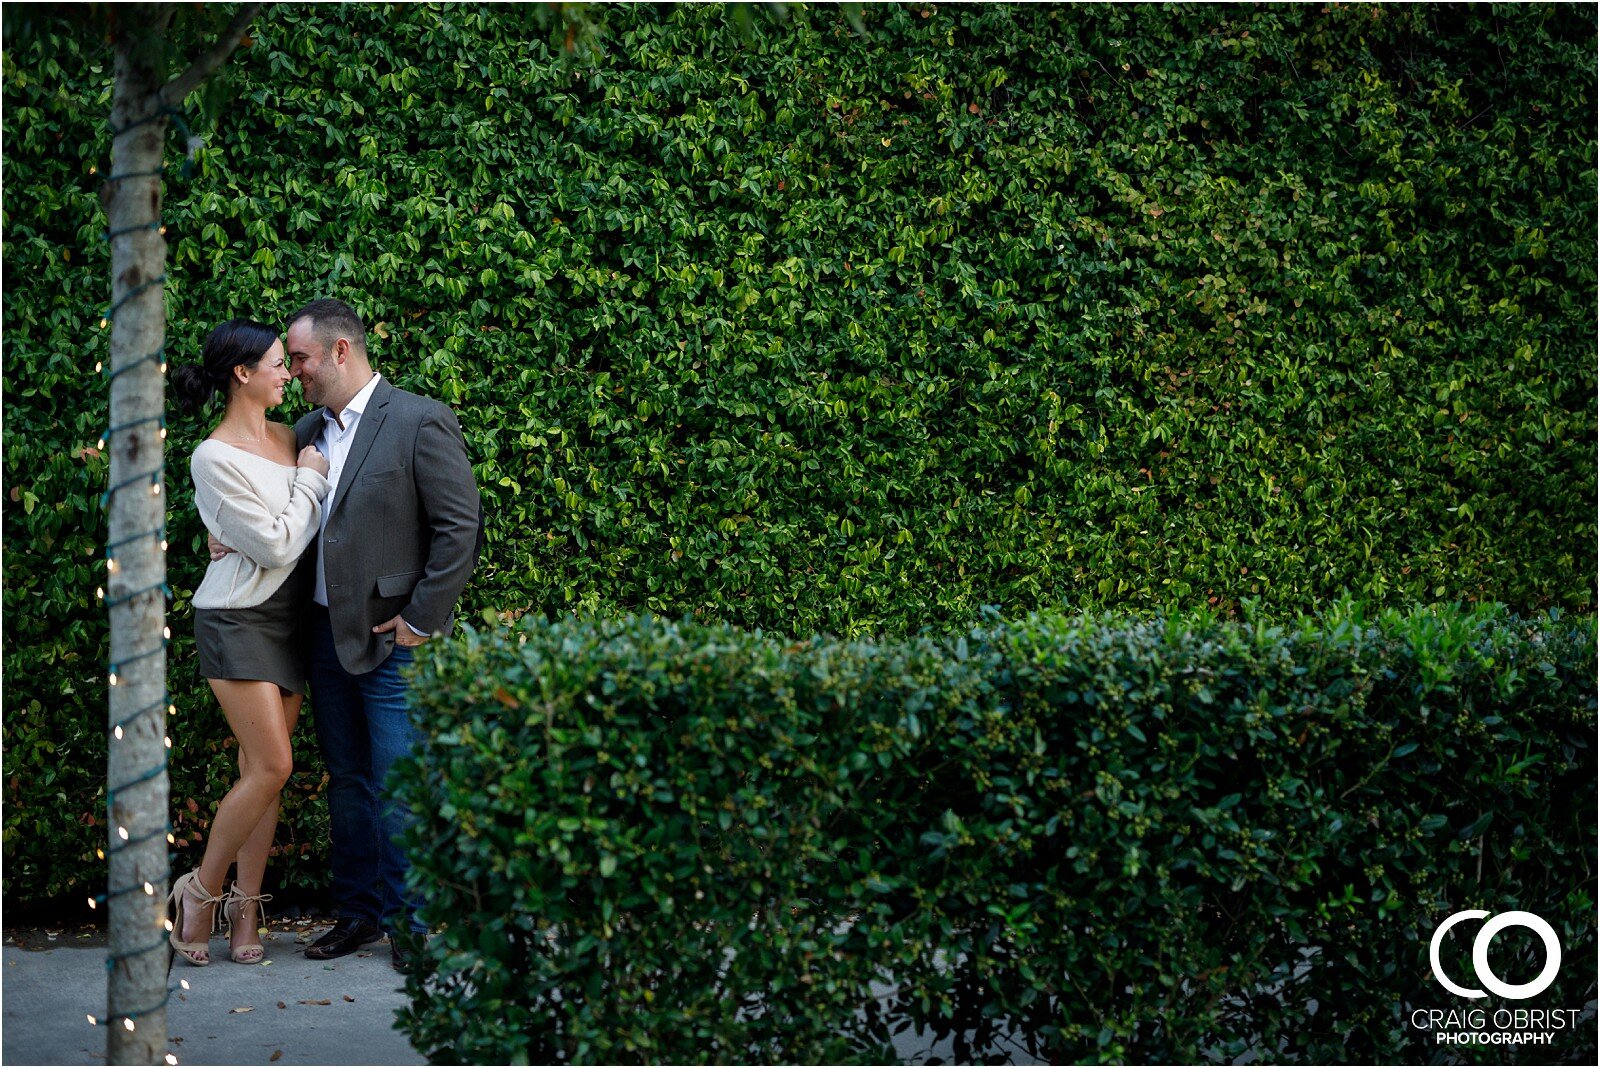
column 237, row 342
column 192, row 387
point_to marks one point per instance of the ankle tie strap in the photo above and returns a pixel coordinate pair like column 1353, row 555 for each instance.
column 243, row 899
column 196, row 892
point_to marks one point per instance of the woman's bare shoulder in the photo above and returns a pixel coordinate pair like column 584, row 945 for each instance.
column 284, row 431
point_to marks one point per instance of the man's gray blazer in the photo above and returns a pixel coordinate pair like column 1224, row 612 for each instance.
column 402, row 529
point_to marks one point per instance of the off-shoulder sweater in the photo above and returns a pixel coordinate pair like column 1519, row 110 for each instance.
column 266, row 511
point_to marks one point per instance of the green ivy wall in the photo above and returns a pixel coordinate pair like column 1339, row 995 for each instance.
column 1113, row 306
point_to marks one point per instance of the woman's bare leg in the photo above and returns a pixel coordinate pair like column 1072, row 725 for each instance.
column 251, row 867
column 255, row 712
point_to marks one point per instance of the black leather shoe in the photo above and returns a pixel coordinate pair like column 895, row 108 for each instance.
column 403, row 949
column 347, row 936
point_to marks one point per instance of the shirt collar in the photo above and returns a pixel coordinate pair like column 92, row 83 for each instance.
column 357, row 405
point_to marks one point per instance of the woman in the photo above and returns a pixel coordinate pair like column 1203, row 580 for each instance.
column 254, row 493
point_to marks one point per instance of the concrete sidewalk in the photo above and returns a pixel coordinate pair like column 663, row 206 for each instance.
column 300, row 1011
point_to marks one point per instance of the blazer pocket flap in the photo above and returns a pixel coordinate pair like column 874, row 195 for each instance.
column 398, row 585
column 382, row 476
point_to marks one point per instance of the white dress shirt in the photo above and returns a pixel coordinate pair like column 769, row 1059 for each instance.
column 338, row 434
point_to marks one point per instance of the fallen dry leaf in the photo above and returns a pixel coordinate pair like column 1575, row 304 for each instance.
column 321, row 1001
column 347, row 997
column 244, row 1008
column 281, row 1005
column 277, row 1054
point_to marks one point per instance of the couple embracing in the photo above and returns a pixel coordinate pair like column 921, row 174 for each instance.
column 338, row 546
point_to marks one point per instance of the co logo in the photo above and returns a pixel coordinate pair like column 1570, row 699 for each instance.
column 1480, row 954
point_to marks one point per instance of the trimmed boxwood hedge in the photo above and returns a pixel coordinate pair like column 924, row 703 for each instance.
column 1117, row 306
column 1173, row 839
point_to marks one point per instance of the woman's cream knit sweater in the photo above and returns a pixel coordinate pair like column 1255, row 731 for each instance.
column 266, row 511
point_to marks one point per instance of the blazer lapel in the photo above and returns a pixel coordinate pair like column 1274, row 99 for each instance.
column 371, row 420
column 308, row 428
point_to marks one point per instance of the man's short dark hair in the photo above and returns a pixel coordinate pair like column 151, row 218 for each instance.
column 330, row 321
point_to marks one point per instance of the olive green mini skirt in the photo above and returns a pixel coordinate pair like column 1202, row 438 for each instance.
column 260, row 642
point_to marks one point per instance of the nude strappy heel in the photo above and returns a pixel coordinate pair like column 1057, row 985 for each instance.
column 188, row 892
column 234, row 911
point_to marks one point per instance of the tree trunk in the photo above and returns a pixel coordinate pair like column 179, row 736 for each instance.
column 136, row 791
column 136, row 549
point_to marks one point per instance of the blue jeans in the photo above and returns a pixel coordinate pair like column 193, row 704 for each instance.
column 362, row 729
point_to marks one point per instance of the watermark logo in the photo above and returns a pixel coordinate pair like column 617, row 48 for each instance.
column 1478, row 1026
column 1480, row 955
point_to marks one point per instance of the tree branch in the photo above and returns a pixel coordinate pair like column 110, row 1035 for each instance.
column 173, row 92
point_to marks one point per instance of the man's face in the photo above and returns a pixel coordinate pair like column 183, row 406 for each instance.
column 312, row 364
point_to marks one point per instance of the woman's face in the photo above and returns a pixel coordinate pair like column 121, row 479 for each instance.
column 264, row 383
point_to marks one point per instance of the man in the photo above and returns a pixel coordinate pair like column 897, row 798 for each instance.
column 398, row 541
